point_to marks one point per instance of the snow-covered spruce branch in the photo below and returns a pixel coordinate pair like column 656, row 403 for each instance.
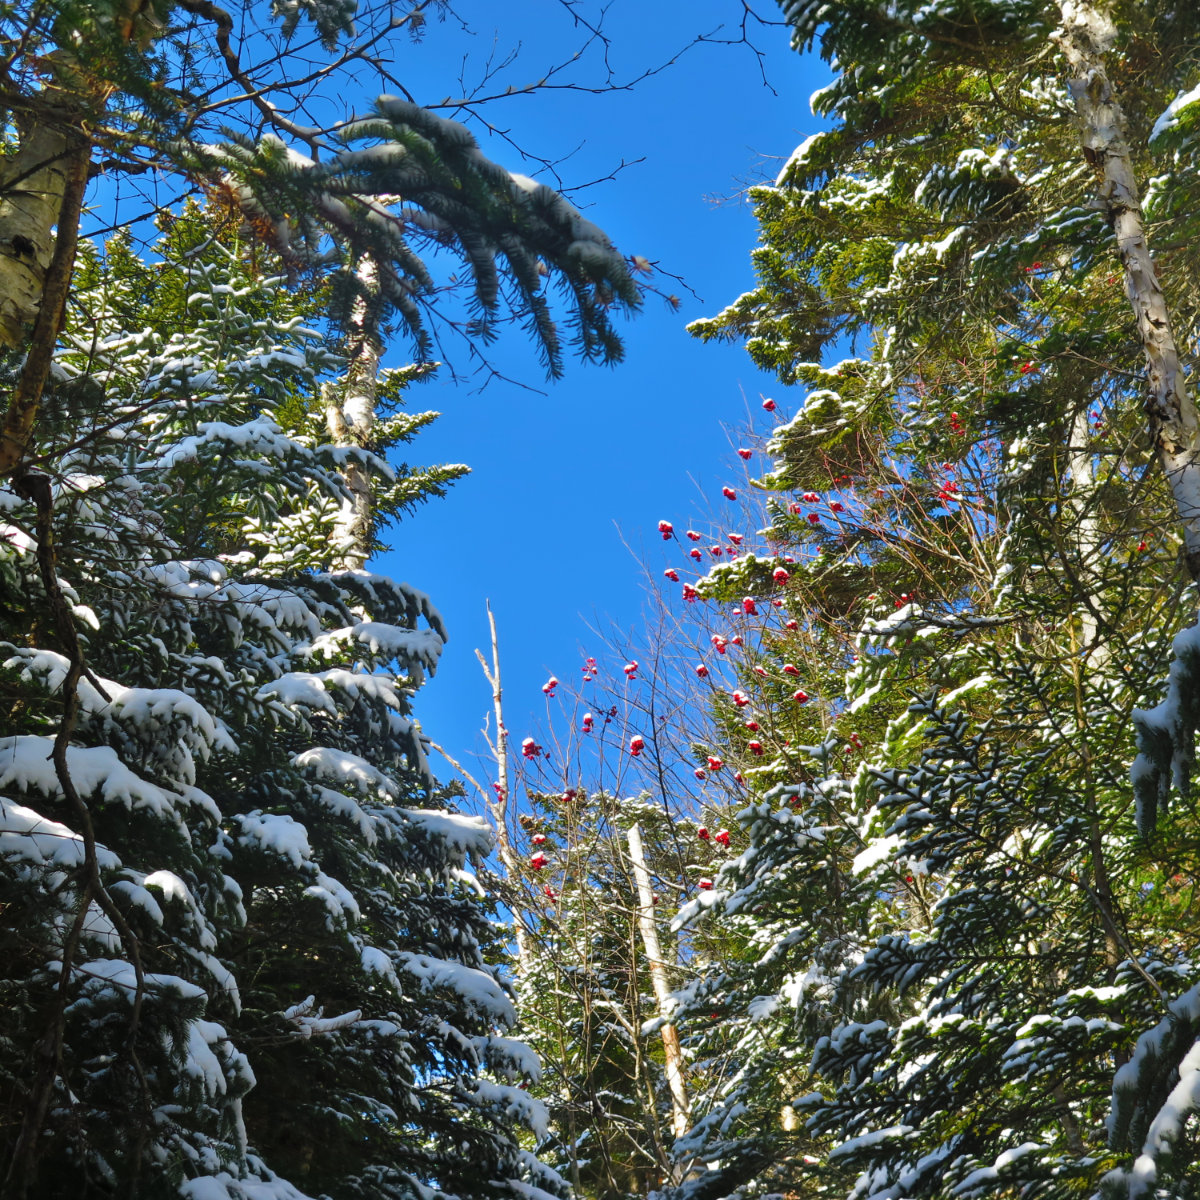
column 22, row 1170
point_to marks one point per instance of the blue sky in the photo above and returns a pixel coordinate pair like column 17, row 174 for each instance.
column 570, row 479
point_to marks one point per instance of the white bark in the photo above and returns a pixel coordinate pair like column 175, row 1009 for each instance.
column 672, row 1053
column 1087, row 536
column 1085, row 36
column 32, row 183
column 499, row 807
column 350, row 418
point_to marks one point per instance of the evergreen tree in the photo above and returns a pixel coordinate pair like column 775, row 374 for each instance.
column 245, row 949
column 236, row 886
column 952, row 918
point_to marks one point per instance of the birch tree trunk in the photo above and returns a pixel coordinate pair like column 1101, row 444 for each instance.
column 1085, row 36
column 499, row 807
column 32, row 183
column 41, row 198
column 673, row 1054
column 1087, row 535
column 25, row 235
column 350, row 418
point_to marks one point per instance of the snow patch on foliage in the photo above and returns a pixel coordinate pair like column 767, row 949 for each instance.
column 466, row 835
column 478, row 990
column 1166, row 734
column 348, row 770
column 1153, row 1063
column 26, row 764
column 1169, row 118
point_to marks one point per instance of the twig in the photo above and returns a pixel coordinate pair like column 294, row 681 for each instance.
column 35, row 487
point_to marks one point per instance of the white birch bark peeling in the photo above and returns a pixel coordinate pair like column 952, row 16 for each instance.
column 31, row 194
column 350, row 417
column 1084, row 37
column 1088, row 535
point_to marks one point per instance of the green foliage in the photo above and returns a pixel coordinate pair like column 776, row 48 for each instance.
column 278, row 986
column 183, row 90
column 585, row 992
column 968, row 967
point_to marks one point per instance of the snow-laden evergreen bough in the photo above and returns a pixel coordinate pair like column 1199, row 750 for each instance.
column 997, row 994
column 212, row 97
column 259, row 971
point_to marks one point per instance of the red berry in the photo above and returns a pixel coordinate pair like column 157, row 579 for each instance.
column 729, row 493
column 769, row 405
column 744, row 454
column 671, row 574
column 701, row 670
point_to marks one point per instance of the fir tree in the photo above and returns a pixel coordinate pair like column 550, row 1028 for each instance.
column 249, row 958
